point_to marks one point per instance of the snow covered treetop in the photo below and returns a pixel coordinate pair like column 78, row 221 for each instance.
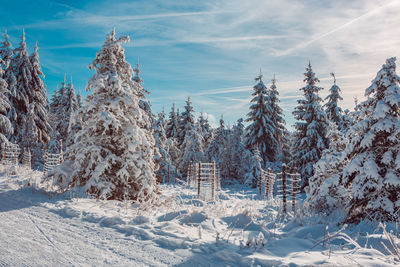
column 110, row 59
column 384, row 78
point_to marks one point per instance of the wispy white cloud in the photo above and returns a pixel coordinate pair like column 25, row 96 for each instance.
column 313, row 39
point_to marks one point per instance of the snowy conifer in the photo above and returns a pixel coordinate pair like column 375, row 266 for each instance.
column 79, row 99
column 332, row 110
column 148, row 117
column 205, row 128
column 162, row 158
column 28, row 94
column 373, row 171
column 20, row 67
column 63, row 109
column 278, row 122
column 311, row 127
column 242, row 161
column 261, row 132
column 112, row 156
column 5, row 124
column 325, row 192
column 192, row 148
column 7, row 54
column 6, row 51
column 39, row 99
column 214, row 149
column 186, row 121
column 171, row 129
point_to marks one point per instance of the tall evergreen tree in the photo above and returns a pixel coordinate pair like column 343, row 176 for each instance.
column 63, row 110
column 326, row 193
column 148, row 118
column 171, row 129
column 163, row 159
column 7, row 54
column 311, row 125
column 19, row 86
column 6, row 51
column 332, row 110
column 205, row 128
column 112, row 156
column 242, row 160
column 186, row 121
column 39, row 100
column 192, row 148
column 278, row 123
column 28, row 102
column 5, row 124
column 373, row 171
column 260, row 133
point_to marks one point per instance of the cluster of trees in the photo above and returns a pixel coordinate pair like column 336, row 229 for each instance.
column 359, row 171
column 348, row 161
column 186, row 141
column 116, row 148
column 23, row 100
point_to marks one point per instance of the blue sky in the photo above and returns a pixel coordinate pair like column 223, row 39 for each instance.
column 212, row 50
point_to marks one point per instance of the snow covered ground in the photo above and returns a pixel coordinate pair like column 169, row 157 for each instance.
column 238, row 229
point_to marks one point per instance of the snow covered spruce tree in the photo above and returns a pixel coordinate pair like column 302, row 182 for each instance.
column 192, row 148
column 162, row 158
column 112, row 157
column 373, row 170
column 39, row 96
column 205, row 127
column 63, row 108
column 6, row 54
column 186, row 121
column 278, row 122
column 216, row 150
column 332, row 110
column 243, row 162
column 5, row 124
column 326, row 193
column 171, row 129
column 261, row 131
column 311, row 126
column 28, row 114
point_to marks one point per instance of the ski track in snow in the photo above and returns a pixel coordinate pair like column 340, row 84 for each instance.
column 38, row 231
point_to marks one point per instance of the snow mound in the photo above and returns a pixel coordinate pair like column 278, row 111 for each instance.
column 194, row 218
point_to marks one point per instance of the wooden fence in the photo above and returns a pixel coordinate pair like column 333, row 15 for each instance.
column 26, row 158
column 204, row 177
column 266, row 183
column 11, row 153
column 289, row 187
column 52, row 160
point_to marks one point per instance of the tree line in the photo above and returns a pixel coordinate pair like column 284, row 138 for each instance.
column 117, row 148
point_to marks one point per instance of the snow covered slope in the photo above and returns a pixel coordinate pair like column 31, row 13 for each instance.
column 239, row 229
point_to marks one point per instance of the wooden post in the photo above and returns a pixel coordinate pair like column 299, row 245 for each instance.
column 267, row 187
column 213, row 182
column 15, row 154
column 188, row 175
column 260, row 181
column 29, row 158
column 45, row 159
column 5, row 151
column 45, row 164
column 294, row 189
column 198, row 180
column 61, row 152
column 168, row 174
column 284, row 187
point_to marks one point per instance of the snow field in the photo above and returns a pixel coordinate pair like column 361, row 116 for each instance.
column 238, row 229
